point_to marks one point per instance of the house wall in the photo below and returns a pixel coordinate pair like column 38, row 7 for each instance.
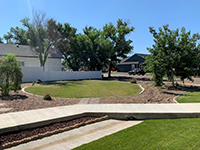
column 124, row 68
column 31, row 74
column 52, row 64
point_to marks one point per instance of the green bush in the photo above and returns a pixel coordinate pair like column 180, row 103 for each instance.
column 133, row 80
column 33, row 83
column 38, row 81
column 47, row 97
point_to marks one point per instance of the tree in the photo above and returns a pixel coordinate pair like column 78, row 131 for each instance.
column 120, row 45
column 91, row 48
column 19, row 35
column 187, row 56
column 10, row 74
column 1, row 40
column 173, row 54
column 8, row 37
column 41, row 35
column 66, row 36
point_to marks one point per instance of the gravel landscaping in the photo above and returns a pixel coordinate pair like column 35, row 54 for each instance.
column 21, row 101
column 15, row 138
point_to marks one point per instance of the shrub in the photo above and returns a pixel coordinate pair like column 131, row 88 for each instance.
column 47, row 97
column 33, row 83
column 38, row 81
column 133, row 80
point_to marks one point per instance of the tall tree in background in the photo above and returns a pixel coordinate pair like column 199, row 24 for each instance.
column 96, row 53
column 66, row 37
column 120, row 45
column 19, row 35
column 1, row 40
column 41, row 35
column 8, row 37
column 173, row 54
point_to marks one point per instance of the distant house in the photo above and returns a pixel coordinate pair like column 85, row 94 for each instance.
column 28, row 58
column 130, row 63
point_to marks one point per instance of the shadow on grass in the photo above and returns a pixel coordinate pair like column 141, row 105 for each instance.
column 184, row 88
column 125, row 78
column 63, row 83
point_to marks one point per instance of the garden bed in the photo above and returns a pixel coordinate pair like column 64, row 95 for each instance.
column 22, row 101
column 18, row 137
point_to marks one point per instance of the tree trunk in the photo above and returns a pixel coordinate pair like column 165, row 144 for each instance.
column 173, row 81
column 109, row 71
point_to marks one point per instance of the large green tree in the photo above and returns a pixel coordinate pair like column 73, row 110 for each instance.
column 121, row 46
column 173, row 53
column 66, row 44
column 10, row 74
column 8, row 37
column 19, row 35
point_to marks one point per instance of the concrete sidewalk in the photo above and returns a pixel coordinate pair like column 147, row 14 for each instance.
column 33, row 118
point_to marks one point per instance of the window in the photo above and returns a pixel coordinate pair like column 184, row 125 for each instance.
column 21, row 63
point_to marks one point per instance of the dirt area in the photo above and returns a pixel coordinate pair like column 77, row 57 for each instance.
column 22, row 101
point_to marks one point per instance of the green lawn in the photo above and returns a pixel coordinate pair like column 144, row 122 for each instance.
column 117, row 73
column 190, row 97
column 169, row 134
column 86, row 89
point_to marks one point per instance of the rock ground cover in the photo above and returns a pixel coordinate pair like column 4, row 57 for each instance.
column 22, row 101
column 15, row 138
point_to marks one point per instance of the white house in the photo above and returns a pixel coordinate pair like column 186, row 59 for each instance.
column 28, row 58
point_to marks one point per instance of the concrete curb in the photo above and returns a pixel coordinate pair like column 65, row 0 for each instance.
column 141, row 88
column 174, row 99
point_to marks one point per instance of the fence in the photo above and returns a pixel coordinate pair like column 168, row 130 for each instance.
column 31, row 74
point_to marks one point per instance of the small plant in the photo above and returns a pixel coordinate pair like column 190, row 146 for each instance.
column 38, row 81
column 47, row 97
column 133, row 80
column 33, row 83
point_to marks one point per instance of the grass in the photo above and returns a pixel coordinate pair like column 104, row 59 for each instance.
column 176, row 134
column 117, row 73
column 192, row 96
column 86, row 89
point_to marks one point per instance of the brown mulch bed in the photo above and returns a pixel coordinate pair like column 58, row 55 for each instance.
column 151, row 94
column 22, row 101
column 39, row 132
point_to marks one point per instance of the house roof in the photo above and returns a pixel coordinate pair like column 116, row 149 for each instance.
column 125, row 62
column 24, row 51
column 142, row 55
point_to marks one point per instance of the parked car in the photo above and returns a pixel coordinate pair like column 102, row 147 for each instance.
column 137, row 71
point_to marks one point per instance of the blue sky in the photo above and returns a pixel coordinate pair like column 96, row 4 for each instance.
column 81, row 13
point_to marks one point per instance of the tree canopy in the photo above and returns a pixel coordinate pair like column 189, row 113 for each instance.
column 174, row 53
column 121, row 46
column 41, row 35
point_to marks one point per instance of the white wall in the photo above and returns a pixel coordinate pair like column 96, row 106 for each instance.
column 52, row 64
column 31, row 74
